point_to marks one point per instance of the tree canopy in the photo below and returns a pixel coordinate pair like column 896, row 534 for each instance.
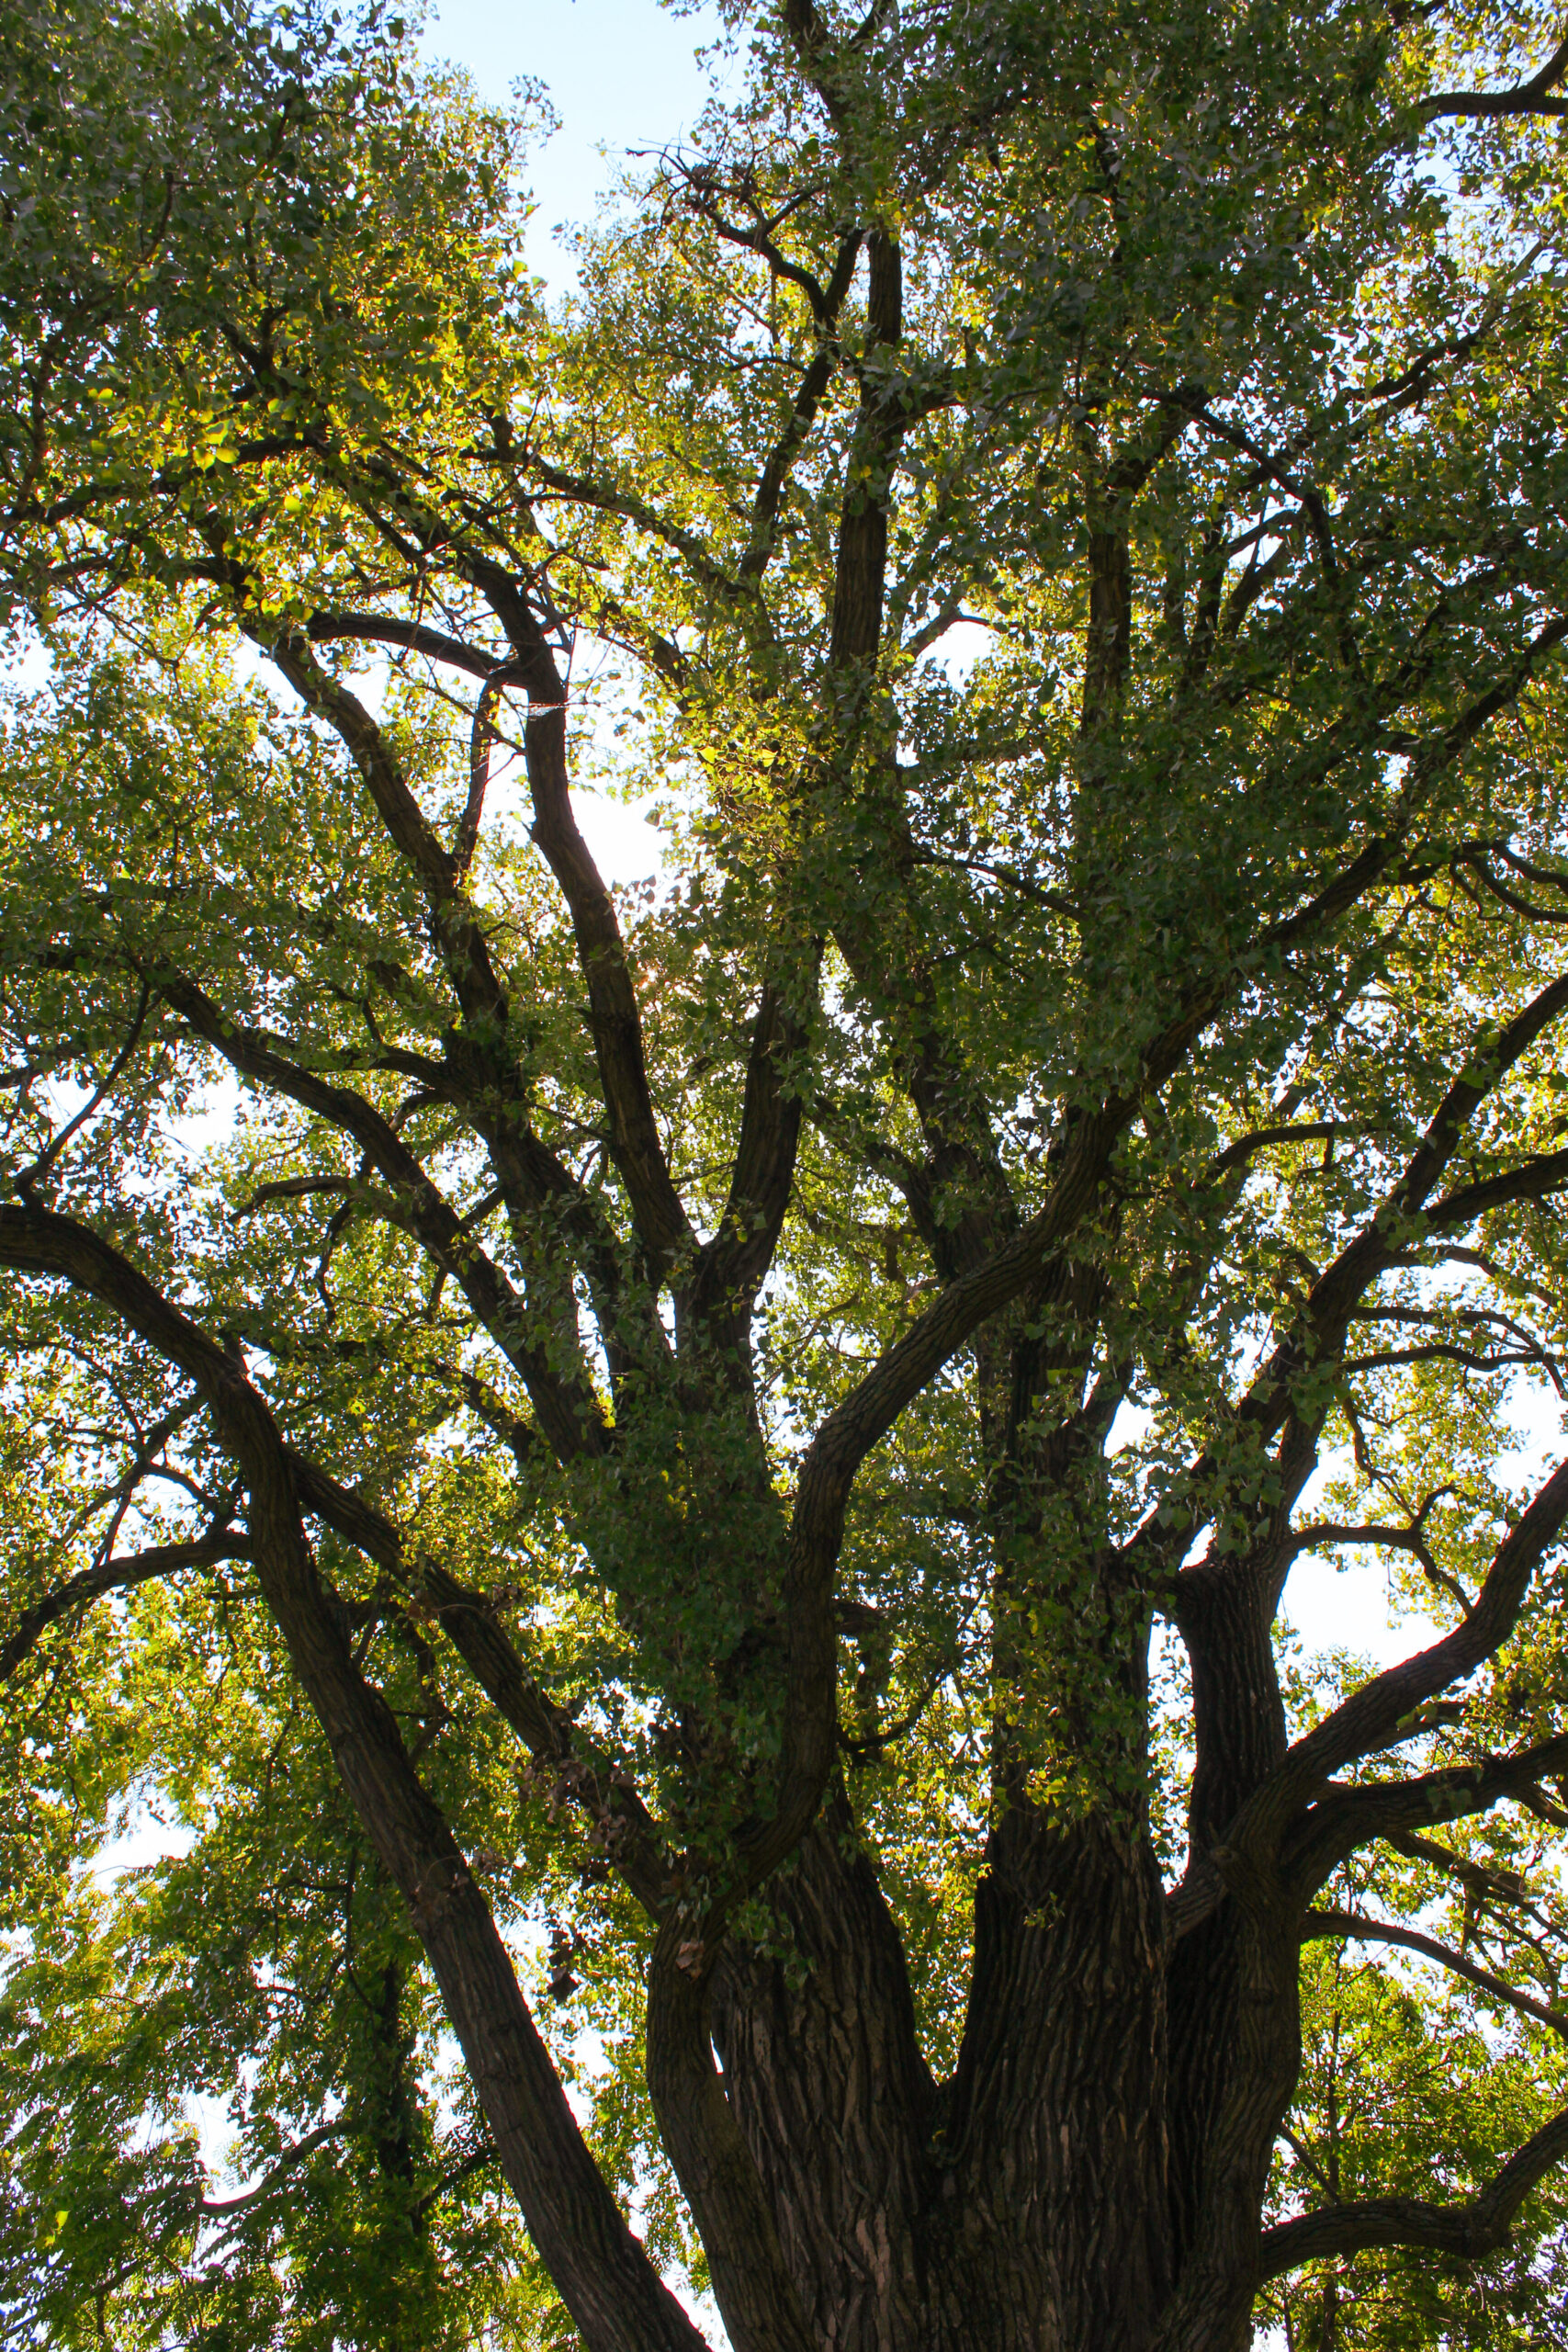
column 683, row 1497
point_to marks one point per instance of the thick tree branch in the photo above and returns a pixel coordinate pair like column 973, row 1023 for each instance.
column 530, row 1173
column 768, row 497
column 730, row 1268
column 273, row 2180
column 332, row 628
column 614, row 1014
column 1471, row 2231
column 716, row 2170
column 861, row 566
column 1322, row 1924
column 1344, row 1819
column 120, row 1574
column 1482, row 1880
column 829, row 1468
column 630, row 1835
column 1371, row 1719
column 1236, row 1155
column 613, row 2294
column 752, row 2286
column 481, row 744
column 813, row 45
column 1536, row 1179
column 1526, row 98
column 459, row 936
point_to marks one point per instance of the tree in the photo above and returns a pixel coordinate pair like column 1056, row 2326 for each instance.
column 730, row 1454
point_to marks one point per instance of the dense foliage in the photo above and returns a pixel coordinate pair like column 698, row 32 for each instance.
column 687, row 1492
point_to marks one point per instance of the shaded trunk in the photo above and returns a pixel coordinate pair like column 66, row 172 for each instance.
column 816, row 2036
column 1054, row 2194
column 1025, row 2203
column 1093, row 2174
column 1226, row 1621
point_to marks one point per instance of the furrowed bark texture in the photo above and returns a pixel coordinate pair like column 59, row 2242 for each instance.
column 816, row 2035
column 1025, row 2203
column 1052, row 2201
column 1236, row 1695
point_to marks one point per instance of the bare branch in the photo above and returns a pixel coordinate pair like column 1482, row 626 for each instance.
column 327, row 627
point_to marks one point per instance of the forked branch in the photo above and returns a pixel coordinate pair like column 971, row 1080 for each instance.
column 1470, row 2230
column 1533, row 97
column 568, row 1411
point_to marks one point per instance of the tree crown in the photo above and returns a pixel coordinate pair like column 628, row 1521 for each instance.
column 600, row 1412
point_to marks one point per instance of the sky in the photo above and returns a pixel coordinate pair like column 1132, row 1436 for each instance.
column 622, row 75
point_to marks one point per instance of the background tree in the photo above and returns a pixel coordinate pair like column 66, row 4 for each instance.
column 731, row 1454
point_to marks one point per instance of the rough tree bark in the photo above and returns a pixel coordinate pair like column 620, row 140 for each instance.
column 1092, row 2176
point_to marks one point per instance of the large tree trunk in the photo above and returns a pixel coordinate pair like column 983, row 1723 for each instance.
column 816, row 2035
column 1027, row 2202
column 1054, row 2197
